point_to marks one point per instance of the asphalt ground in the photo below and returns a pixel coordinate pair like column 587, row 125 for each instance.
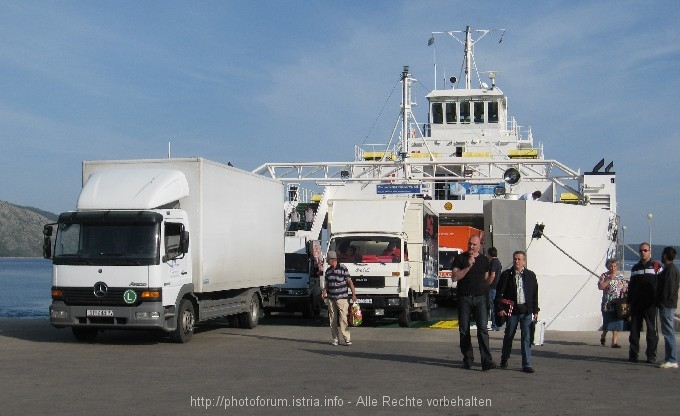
column 286, row 366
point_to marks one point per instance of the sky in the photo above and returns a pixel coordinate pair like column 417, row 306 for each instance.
column 251, row 82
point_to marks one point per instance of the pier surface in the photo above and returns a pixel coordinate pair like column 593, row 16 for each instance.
column 287, row 366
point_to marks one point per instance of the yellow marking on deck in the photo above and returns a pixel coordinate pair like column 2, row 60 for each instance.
column 452, row 324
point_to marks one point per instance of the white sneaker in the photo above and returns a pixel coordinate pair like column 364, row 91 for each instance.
column 348, row 343
column 335, row 342
column 668, row 364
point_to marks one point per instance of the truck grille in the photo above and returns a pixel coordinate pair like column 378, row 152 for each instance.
column 84, row 296
column 369, row 281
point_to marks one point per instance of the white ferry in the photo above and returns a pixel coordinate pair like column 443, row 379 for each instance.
column 476, row 162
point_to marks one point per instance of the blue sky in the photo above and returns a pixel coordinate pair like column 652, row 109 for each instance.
column 250, row 82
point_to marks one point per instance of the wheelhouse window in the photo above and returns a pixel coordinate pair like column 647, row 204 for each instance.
column 451, row 116
column 437, row 113
column 493, row 112
column 465, row 112
column 479, row 112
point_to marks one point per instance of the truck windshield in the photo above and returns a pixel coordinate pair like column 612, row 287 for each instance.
column 297, row 263
column 446, row 258
column 101, row 243
column 374, row 249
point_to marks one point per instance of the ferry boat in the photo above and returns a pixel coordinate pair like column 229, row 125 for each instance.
column 477, row 163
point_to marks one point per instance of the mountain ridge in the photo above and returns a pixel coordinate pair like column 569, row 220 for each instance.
column 22, row 230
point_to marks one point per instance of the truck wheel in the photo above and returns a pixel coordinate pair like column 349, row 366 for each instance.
column 405, row 317
column 185, row 322
column 248, row 320
column 85, row 334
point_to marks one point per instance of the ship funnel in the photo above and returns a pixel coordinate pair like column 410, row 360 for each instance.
column 598, row 166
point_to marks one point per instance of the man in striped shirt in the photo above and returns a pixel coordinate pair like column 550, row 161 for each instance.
column 335, row 290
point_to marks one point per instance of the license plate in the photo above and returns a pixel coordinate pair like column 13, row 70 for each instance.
column 99, row 312
column 364, row 301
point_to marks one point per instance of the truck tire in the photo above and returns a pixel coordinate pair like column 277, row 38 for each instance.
column 249, row 320
column 405, row 317
column 186, row 319
column 85, row 334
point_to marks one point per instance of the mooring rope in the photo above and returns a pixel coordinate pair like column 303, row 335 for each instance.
column 538, row 234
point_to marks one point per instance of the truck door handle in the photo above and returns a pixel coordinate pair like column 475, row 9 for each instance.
column 185, row 272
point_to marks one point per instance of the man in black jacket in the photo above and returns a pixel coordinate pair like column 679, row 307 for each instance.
column 641, row 293
column 667, row 300
column 518, row 287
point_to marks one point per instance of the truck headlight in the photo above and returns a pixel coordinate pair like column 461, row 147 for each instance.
column 393, row 301
column 147, row 315
column 58, row 314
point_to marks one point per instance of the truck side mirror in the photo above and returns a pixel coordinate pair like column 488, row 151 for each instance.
column 184, row 242
column 47, row 241
column 47, row 248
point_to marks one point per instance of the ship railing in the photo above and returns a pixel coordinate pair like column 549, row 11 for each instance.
column 521, row 133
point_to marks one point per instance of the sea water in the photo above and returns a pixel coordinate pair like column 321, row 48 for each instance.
column 25, row 285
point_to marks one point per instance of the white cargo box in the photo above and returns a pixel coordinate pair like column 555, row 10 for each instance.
column 236, row 220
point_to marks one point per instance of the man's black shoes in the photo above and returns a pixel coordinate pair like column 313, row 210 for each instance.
column 489, row 366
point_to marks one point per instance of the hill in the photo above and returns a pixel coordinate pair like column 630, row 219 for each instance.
column 22, row 230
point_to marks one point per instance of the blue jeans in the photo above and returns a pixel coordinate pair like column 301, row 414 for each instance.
column 492, row 312
column 668, row 331
column 524, row 322
column 473, row 306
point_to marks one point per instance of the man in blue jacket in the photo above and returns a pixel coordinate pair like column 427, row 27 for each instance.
column 517, row 287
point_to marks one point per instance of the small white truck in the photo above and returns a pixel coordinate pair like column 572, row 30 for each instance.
column 390, row 248
column 163, row 244
column 301, row 292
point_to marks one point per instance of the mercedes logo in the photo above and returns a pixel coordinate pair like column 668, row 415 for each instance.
column 100, row 289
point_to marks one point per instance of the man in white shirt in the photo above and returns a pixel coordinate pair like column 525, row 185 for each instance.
column 530, row 196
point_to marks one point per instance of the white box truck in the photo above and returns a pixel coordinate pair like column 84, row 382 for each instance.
column 163, row 244
column 390, row 248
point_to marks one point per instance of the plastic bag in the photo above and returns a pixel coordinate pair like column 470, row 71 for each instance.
column 355, row 317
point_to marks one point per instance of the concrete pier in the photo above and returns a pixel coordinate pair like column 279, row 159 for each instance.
column 287, row 366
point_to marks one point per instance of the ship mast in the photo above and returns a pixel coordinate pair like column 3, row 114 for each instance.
column 468, row 44
column 405, row 110
column 468, row 58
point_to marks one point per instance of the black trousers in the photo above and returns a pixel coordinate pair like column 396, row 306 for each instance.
column 648, row 315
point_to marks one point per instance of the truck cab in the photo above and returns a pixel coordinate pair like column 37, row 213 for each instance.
column 301, row 291
column 390, row 249
column 447, row 287
column 123, row 258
